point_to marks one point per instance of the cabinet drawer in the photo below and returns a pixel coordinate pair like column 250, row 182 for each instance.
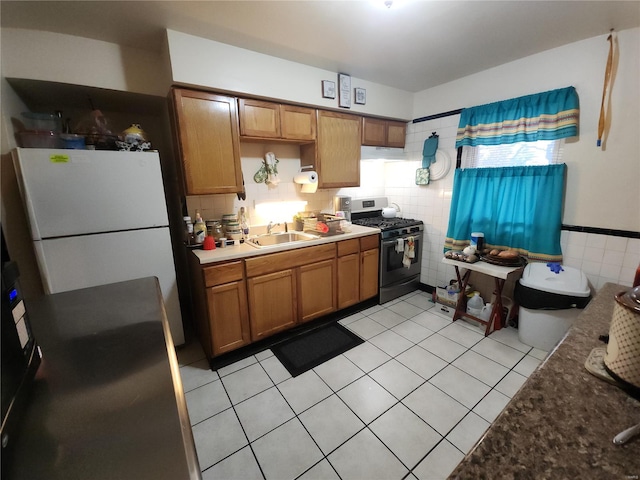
column 367, row 243
column 289, row 259
column 347, row 247
column 221, row 274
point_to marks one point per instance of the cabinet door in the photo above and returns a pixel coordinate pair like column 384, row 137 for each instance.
column 374, row 132
column 228, row 316
column 316, row 290
column 336, row 155
column 348, row 280
column 369, row 273
column 298, row 123
column 272, row 303
column 396, row 134
column 259, row 119
column 207, row 128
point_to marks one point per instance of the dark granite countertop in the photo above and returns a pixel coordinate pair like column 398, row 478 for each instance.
column 562, row 421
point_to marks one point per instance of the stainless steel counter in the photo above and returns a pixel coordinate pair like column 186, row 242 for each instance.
column 107, row 401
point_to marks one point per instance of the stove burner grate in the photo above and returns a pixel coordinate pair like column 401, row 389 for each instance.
column 386, row 223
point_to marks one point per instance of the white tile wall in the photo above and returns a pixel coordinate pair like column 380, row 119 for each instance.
column 603, row 258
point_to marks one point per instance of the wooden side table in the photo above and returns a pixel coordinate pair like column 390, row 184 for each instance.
column 500, row 275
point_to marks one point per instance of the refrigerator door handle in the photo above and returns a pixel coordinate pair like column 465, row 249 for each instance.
column 42, row 266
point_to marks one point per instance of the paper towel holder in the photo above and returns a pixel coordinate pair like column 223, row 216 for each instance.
column 307, row 179
column 302, row 170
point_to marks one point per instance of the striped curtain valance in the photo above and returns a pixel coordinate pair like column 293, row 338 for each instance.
column 543, row 116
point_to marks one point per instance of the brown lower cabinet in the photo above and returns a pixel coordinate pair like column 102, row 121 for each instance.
column 316, row 284
column 220, row 306
column 272, row 303
column 246, row 300
column 357, row 270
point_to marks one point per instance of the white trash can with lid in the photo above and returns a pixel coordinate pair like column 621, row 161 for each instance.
column 549, row 303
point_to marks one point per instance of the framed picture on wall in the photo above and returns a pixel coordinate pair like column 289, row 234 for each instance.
column 328, row 89
column 360, row 96
column 344, row 90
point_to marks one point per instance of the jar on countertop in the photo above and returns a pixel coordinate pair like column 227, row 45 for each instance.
column 215, row 229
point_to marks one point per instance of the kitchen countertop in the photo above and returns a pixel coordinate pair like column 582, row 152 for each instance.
column 243, row 250
column 107, row 400
column 562, row 421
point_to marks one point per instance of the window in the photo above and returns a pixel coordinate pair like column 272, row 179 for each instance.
column 542, row 152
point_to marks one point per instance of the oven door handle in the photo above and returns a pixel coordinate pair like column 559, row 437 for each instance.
column 395, row 240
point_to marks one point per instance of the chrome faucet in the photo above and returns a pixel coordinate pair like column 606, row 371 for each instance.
column 270, row 226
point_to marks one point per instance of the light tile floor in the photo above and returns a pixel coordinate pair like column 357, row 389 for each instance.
column 409, row 403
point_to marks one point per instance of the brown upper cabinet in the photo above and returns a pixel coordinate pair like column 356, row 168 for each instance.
column 383, row 133
column 208, row 142
column 336, row 153
column 268, row 120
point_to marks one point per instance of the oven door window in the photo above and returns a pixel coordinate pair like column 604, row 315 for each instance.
column 392, row 267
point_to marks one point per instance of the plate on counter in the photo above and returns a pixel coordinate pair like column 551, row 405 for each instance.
column 504, row 262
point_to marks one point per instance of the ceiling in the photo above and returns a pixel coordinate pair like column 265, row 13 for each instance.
column 414, row 45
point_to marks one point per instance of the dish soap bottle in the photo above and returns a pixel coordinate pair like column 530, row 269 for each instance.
column 199, row 229
column 242, row 219
column 475, row 304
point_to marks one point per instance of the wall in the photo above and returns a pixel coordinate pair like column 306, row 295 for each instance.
column 54, row 57
column 206, row 63
column 602, row 183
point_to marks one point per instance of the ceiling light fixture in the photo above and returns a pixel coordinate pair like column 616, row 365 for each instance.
column 388, row 3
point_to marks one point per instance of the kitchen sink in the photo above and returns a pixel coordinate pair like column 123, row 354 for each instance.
column 274, row 239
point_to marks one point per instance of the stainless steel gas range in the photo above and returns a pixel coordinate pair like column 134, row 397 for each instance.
column 400, row 246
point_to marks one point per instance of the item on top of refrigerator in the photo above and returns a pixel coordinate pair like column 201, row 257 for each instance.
column 199, row 229
column 42, row 139
column 134, row 139
column 72, row 141
column 134, row 134
column 41, row 122
column 98, row 135
column 37, row 130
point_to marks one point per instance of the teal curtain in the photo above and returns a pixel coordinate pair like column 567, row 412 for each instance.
column 515, row 207
column 544, row 116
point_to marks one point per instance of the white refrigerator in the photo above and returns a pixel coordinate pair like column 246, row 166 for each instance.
column 98, row 217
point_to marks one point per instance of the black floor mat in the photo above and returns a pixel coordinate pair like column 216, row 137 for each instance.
column 312, row 348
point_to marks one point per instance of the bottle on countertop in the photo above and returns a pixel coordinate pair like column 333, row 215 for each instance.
column 199, row 229
column 242, row 219
column 188, row 230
